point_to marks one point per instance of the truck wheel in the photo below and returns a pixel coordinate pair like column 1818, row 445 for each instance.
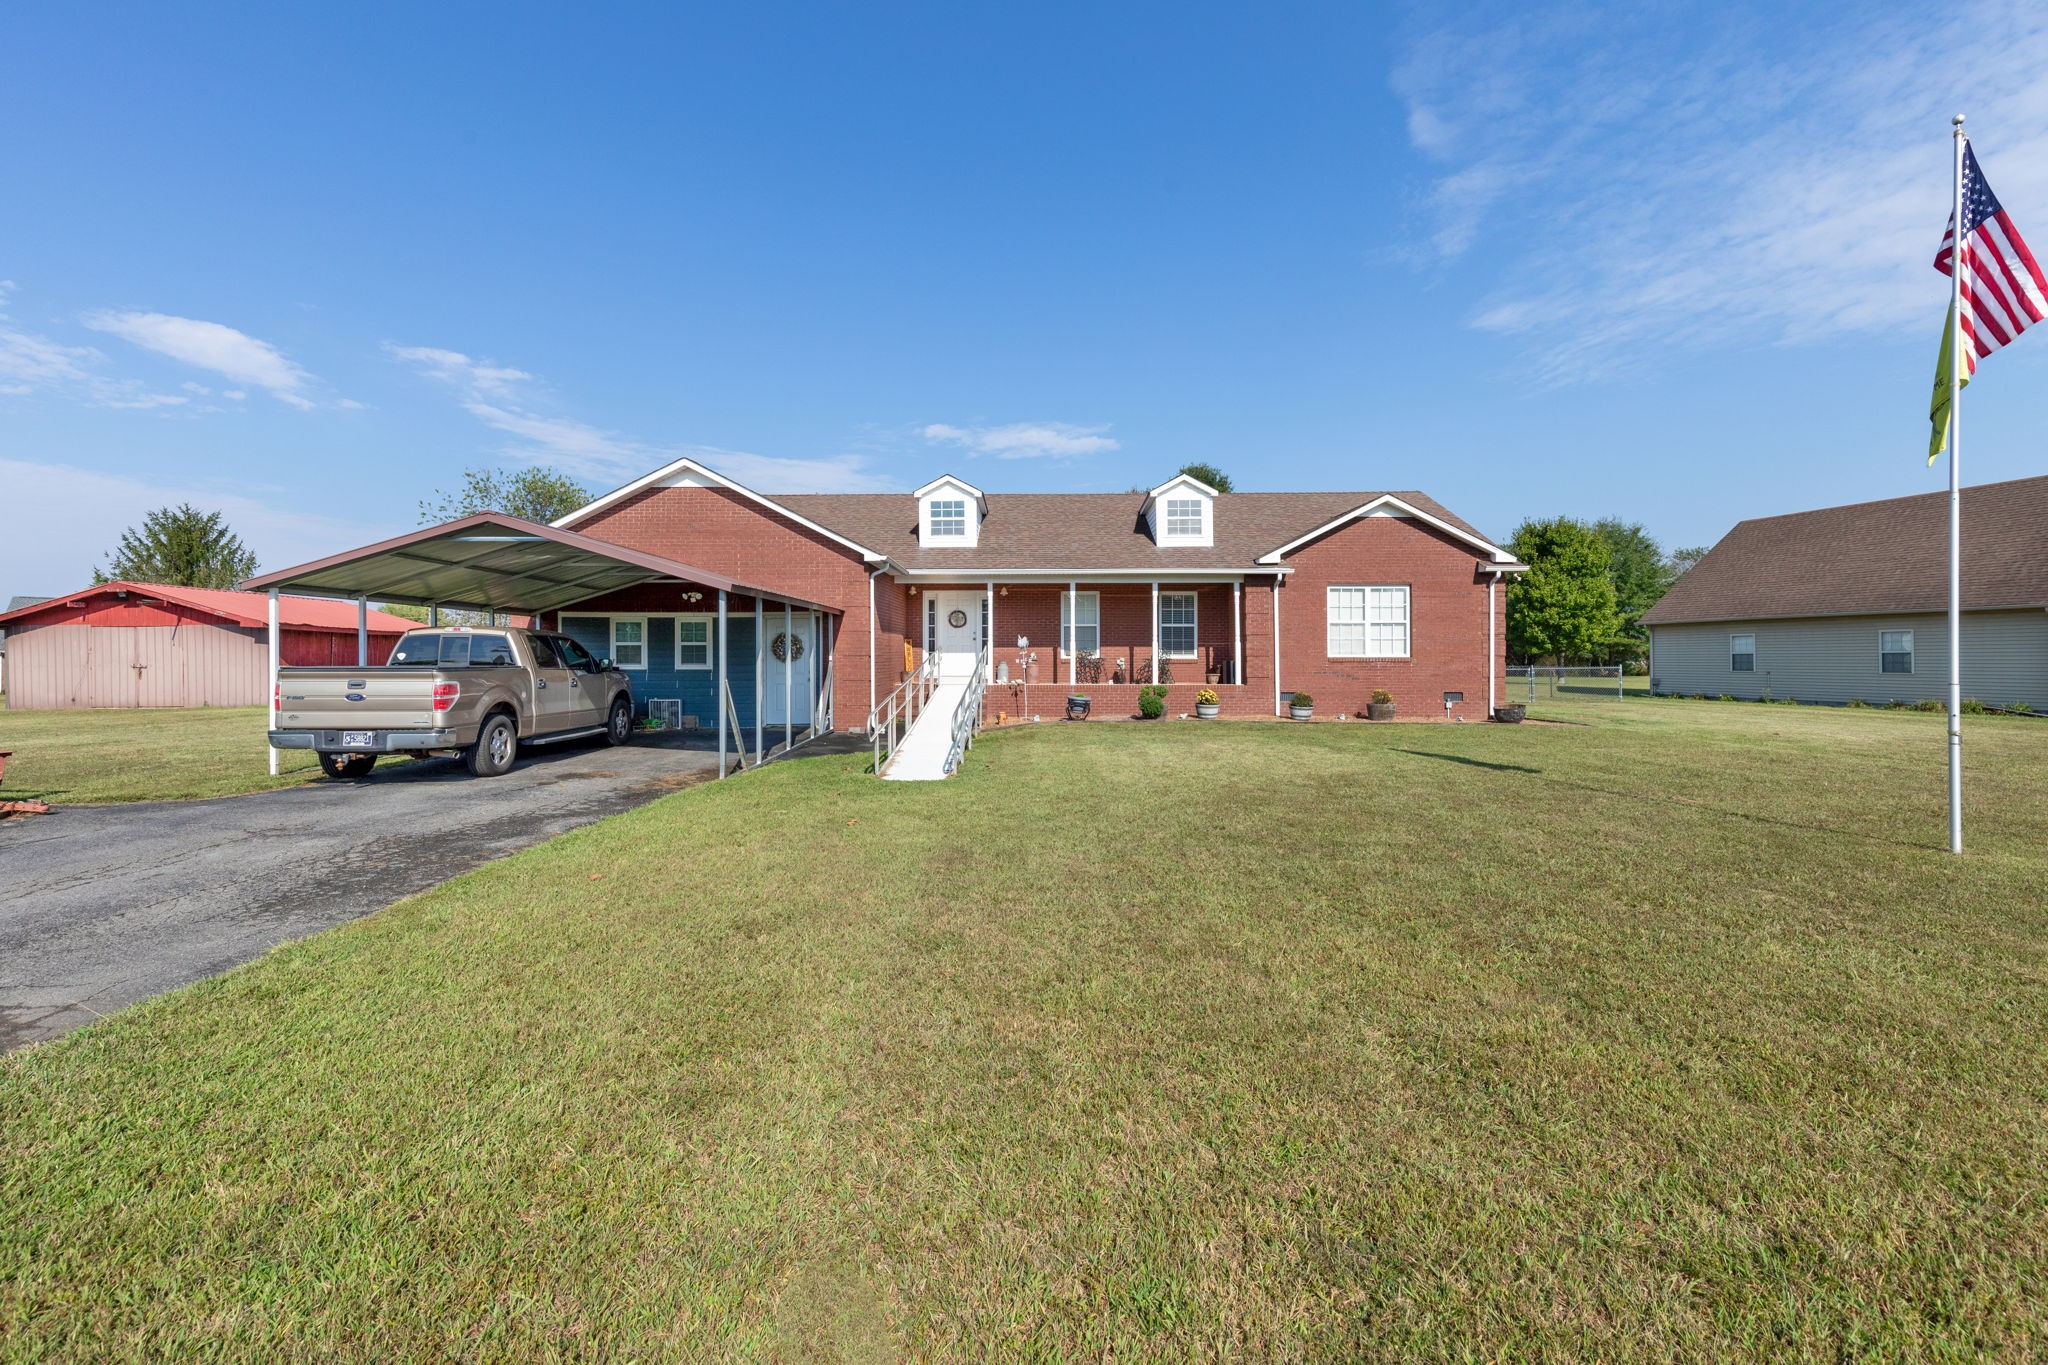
column 347, row 765
column 618, row 728
column 497, row 744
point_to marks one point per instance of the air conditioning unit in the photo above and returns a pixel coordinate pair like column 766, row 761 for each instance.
column 669, row 711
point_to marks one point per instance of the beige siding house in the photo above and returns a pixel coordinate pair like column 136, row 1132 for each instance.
column 1849, row 603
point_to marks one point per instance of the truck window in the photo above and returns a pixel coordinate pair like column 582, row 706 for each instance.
column 543, row 652
column 575, row 655
column 451, row 651
column 489, row 650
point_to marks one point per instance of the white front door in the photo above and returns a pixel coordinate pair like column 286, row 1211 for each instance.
column 953, row 627
column 797, row 645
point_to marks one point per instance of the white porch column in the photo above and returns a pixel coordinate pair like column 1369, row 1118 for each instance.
column 270, row 716
column 1237, row 632
column 1490, row 665
column 760, row 686
column 988, row 635
column 1276, row 644
column 718, row 699
column 362, row 632
column 788, row 677
column 1073, row 634
column 1158, row 664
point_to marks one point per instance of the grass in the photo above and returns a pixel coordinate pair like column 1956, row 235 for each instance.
column 79, row 758
column 1665, row 1035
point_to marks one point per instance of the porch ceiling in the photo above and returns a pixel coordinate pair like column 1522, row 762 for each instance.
column 494, row 562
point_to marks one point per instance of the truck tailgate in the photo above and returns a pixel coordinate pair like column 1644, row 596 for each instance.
column 358, row 699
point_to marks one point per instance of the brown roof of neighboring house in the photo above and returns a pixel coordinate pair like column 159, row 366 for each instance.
column 1090, row 530
column 1872, row 558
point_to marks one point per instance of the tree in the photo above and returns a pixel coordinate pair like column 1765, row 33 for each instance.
column 1207, row 473
column 180, row 545
column 1564, row 606
column 537, row 493
column 1682, row 560
column 1637, row 568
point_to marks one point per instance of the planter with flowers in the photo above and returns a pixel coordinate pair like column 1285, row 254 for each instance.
column 1381, row 707
column 1207, row 704
column 1301, row 706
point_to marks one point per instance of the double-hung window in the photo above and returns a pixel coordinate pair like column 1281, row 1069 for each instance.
column 629, row 641
column 1367, row 622
column 1742, row 653
column 1895, row 651
column 948, row 518
column 1177, row 625
column 693, row 642
column 1081, row 623
column 1184, row 518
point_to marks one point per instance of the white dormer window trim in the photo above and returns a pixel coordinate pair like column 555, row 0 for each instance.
column 1182, row 511
column 949, row 514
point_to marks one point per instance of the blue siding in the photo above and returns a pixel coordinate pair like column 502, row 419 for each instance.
column 661, row 678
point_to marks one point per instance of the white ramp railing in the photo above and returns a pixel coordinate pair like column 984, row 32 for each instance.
column 967, row 715
column 893, row 716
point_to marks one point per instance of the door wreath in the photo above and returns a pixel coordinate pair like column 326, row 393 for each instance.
column 786, row 648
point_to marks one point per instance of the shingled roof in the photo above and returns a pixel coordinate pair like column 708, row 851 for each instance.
column 1872, row 558
column 1090, row 530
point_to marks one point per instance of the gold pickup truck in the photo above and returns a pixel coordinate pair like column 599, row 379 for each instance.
column 477, row 691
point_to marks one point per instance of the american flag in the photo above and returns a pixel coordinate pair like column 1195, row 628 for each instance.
column 2003, row 290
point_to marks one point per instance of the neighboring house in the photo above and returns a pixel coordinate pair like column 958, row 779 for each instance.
column 146, row 644
column 1259, row 594
column 15, row 603
column 1850, row 603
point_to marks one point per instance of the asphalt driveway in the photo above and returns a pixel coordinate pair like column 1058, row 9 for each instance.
column 101, row 906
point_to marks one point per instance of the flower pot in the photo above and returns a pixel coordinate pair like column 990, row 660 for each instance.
column 1208, row 710
column 1510, row 715
column 1301, row 712
column 1379, row 710
column 1212, row 676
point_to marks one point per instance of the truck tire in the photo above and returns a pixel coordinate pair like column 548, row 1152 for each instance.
column 347, row 765
column 618, row 727
column 497, row 744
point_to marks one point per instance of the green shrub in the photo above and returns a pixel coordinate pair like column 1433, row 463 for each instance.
column 1382, row 697
column 1697, row 696
column 1973, row 707
column 2020, row 708
column 1151, row 702
column 1857, row 703
column 1895, row 705
column 1303, row 699
column 1930, row 704
column 1724, row 697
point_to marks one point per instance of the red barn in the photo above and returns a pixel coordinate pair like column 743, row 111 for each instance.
column 152, row 644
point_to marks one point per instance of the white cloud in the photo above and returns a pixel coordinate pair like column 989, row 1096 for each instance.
column 1651, row 181
column 236, row 356
column 32, row 364
column 64, row 520
column 500, row 397
column 1024, row 440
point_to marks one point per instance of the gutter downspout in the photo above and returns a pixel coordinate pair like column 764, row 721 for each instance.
column 1276, row 644
column 1492, row 662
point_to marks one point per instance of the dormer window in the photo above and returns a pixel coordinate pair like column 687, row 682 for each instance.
column 1183, row 518
column 1182, row 512
column 949, row 514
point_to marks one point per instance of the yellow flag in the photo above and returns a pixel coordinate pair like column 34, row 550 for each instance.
column 1937, row 440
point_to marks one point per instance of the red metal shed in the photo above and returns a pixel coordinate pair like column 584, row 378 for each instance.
column 152, row 644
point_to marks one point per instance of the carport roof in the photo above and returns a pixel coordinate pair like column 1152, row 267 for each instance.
column 494, row 562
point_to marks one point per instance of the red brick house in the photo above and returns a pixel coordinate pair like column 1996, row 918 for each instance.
column 1259, row 595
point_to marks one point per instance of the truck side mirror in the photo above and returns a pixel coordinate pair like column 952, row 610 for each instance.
column 605, row 665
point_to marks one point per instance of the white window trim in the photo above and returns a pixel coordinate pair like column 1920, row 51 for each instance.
column 931, row 520
column 710, row 620
column 1408, row 598
column 1911, row 651
column 613, row 633
column 1074, row 600
column 1201, row 531
column 1195, row 625
column 1733, row 651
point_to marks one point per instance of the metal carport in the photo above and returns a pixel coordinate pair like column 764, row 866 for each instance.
column 493, row 562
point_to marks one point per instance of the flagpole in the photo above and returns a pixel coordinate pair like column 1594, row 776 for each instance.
column 1955, row 511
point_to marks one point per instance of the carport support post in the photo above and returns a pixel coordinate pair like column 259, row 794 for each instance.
column 760, row 685
column 434, row 614
column 718, row 702
column 788, row 677
column 362, row 632
column 270, row 717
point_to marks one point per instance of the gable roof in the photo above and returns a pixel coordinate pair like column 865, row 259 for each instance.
column 239, row 608
column 1049, row 531
column 1872, row 558
column 698, row 472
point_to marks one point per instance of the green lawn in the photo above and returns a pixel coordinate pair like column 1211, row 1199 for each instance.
column 76, row 758
column 1670, row 1034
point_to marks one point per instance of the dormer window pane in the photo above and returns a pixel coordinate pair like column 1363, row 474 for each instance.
column 1184, row 517
column 948, row 517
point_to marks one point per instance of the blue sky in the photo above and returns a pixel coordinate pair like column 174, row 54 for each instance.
column 307, row 265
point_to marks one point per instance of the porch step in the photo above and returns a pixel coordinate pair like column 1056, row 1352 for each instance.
column 921, row 757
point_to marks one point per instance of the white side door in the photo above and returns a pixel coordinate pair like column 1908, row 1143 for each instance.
column 797, row 644
column 955, row 618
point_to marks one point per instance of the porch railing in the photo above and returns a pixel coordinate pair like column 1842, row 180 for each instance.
column 896, row 713
column 967, row 715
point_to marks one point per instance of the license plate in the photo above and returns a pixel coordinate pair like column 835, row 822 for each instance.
column 358, row 739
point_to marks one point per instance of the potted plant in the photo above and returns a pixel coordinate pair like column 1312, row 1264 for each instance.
column 1301, row 706
column 1207, row 704
column 1151, row 702
column 1510, row 714
column 1077, row 706
column 1381, row 707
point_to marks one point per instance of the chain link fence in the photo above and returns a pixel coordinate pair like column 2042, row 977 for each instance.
column 1589, row 682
